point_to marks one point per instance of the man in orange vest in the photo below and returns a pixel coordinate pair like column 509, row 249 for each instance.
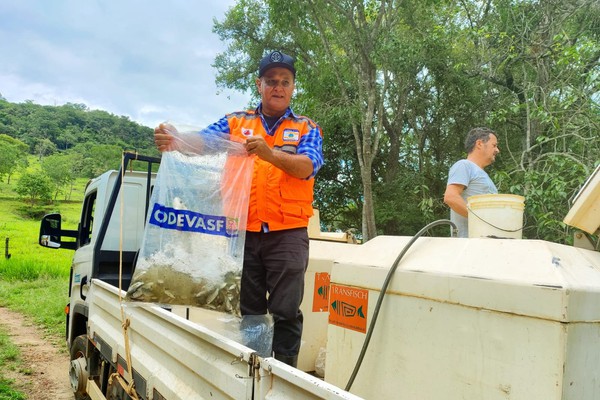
column 288, row 150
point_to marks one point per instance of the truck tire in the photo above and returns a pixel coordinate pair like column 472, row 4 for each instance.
column 78, row 369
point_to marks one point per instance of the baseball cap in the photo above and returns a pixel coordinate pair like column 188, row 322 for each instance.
column 276, row 59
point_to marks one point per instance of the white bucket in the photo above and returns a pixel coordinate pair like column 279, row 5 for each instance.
column 496, row 215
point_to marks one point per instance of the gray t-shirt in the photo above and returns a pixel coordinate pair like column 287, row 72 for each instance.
column 476, row 181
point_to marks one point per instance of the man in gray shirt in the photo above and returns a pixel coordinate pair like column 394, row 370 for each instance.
column 467, row 177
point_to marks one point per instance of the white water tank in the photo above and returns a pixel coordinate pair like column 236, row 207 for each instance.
column 315, row 305
column 468, row 319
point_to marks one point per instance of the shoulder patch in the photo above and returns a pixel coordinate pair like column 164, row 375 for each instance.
column 291, row 135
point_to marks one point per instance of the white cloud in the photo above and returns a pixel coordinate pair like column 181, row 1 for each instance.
column 148, row 60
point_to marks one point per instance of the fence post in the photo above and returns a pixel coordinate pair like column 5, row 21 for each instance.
column 6, row 253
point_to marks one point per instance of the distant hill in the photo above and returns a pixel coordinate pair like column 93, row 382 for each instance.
column 45, row 149
column 68, row 125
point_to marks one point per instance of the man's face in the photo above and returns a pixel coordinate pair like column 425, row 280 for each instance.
column 490, row 149
column 276, row 87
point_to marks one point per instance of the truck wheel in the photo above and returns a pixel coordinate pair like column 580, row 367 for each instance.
column 78, row 372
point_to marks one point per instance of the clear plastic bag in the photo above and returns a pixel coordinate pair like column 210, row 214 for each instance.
column 257, row 333
column 193, row 245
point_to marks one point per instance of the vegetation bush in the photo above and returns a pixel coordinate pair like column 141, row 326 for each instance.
column 35, row 212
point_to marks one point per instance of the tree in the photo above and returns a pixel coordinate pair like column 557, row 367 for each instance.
column 13, row 155
column 44, row 147
column 34, row 187
column 61, row 169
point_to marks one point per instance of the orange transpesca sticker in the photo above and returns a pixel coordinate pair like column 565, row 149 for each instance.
column 321, row 293
column 348, row 307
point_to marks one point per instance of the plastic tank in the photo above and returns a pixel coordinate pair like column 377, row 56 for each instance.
column 467, row 319
column 315, row 305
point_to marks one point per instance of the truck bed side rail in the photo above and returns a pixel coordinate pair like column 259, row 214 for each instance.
column 280, row 381
column 173, row 357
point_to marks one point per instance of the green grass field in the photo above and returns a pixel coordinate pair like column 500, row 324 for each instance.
column 19, row 235
column 19, row 239
column 33, row 280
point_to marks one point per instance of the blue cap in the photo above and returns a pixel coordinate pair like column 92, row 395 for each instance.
column 276, row 59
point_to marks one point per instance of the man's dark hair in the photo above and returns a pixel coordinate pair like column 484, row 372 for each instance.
column 476, row 134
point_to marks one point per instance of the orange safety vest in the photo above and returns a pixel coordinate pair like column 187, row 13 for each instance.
column 276, row 198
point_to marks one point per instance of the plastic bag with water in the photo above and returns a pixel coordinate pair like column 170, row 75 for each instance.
column 193, row 244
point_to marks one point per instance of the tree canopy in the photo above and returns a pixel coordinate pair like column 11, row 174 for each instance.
column 70, row 140
column 48, row 129
column 396, row 85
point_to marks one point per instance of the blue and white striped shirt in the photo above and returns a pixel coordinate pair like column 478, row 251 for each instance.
column 310, row 144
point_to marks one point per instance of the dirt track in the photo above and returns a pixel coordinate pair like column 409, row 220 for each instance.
column 44, row 373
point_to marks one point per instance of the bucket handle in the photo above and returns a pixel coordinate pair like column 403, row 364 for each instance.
column 494, row 226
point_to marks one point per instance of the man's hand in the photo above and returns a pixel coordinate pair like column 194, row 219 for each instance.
column 163, row 137
column 257, row 145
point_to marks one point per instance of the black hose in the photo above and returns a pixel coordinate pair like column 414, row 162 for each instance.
column 388, row 278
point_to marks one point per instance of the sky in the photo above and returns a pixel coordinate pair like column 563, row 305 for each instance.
column 149, row 60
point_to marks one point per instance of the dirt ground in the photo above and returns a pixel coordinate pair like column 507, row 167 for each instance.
column 44, row 373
